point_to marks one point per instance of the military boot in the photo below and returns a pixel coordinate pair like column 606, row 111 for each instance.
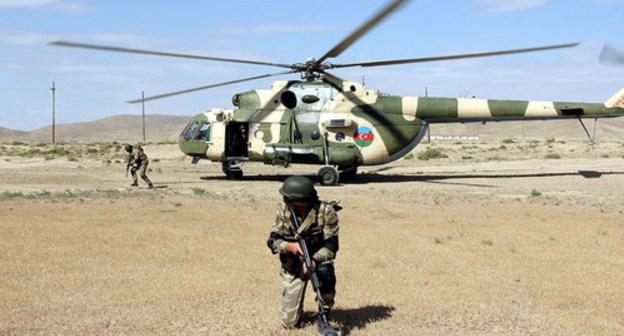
column 134, row 184
column 150, row 186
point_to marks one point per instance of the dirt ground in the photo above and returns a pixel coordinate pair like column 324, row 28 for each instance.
column 489, row 241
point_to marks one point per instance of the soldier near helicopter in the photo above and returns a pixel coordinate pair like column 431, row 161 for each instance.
column 307, row 245
column 325, row 120
column 137, row 161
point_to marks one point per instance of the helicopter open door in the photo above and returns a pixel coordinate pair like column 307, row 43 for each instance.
column 237, row 141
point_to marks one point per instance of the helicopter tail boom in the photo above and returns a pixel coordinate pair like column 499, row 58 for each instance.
column 446, row 110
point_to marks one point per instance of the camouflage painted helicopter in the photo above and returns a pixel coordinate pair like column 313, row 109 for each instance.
column 339, row 124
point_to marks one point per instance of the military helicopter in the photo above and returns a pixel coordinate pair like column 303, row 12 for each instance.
column 321, row 119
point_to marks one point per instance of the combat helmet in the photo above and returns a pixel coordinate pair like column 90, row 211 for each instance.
column 128, row 148
column 299, row 189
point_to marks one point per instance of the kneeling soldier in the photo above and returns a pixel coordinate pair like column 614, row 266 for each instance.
column 319, row 228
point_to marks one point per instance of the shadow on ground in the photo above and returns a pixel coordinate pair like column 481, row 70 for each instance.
column 374, row 177
column 346, row 320
column 358, row 318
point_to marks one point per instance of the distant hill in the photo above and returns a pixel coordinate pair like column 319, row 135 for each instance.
column 6, row 133
column 116, row 128
column 163, row 127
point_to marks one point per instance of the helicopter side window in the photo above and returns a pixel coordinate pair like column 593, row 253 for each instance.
column 204, row 132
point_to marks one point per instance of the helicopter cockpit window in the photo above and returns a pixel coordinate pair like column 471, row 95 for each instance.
column 204, row 132
column 190, row 129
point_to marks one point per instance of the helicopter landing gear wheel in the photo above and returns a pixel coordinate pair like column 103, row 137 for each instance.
column 348, row 173
column 328, row 176
column 232, row 172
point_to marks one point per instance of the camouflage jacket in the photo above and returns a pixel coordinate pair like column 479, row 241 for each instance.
column 137, row 157
column 319, row 228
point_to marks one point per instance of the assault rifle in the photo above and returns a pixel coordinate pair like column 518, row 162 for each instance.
column 324, row 327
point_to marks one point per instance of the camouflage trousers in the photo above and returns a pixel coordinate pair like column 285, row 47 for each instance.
column 293, row 293
column 142, row 171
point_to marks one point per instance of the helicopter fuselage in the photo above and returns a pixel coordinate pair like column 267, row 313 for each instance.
column 344, row 125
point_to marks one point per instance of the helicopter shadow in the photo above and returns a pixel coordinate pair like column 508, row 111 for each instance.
column 256, row 178
column 388, row 178
column 376, row 178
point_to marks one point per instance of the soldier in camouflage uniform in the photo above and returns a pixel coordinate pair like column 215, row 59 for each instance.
column 137, row 161
column 319, row 227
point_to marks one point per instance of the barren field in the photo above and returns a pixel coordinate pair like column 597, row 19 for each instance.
column 506, row 238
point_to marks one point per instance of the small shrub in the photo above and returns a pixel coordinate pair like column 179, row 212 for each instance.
column 552, row 156
column 535, row 193
column 467, row 157
column 551, row 140
column 409, row 156
column 432, row 153
column 508, row 141
column 9, row 194
column 198, row 191
column 59, row 151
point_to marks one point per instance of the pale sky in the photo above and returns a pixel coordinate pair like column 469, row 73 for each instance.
column 93, row 84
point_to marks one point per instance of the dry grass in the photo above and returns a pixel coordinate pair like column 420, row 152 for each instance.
column 460, row 249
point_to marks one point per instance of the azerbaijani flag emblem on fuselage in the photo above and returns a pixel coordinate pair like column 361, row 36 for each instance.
column 364, row 136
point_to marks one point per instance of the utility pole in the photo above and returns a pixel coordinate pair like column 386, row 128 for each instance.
column 426, row 91
column 53, row 89
column 143, row 112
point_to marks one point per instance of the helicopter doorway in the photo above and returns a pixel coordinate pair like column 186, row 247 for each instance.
column 236, row 141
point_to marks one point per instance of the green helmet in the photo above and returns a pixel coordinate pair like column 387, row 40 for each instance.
column 299, row 188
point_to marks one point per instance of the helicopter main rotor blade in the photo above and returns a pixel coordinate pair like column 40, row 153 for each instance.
column 175, row 93
column 611, row 55
column 362, row 30
column 454, row 57
column 162, row 53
